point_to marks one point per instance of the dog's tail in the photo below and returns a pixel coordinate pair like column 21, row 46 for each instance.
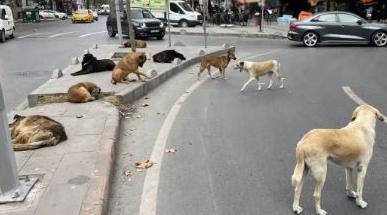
column 300, row 167
column 77, row 73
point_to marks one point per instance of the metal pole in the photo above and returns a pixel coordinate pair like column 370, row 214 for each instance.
column 262, row 10
column 169, row 24
column 205, row 5
column 8, row 171
column 131, row 32
column 118, row 17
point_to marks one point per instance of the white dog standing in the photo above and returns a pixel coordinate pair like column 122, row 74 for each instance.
column 258, row 69
column 350, row 147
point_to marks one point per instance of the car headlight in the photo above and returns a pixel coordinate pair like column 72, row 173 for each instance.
column 161, row 24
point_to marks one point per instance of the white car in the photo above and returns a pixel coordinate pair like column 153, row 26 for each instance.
column 60, row 15
column 46, row 14
column 95, row 14
column 7, row 25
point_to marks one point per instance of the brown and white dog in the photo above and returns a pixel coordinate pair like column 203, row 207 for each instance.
column 258, row 69
column 350, row 147
column 36, row 131
column 129, row 64
column 218, row 61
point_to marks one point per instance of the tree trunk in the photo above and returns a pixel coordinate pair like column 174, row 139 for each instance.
column 130, row 25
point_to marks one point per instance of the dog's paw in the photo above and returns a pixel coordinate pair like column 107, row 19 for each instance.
column 321, row 212
column 297, row 209
column 351, row 194
column 361, row 203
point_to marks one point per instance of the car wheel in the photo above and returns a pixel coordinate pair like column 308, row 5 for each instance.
column 310, row 39
column 111, row 32
column 183, row 23
column 12, row 35
column 2, row 36
column 160, row 37
column 379, row 38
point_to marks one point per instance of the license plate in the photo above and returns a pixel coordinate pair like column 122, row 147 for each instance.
column 154, row 31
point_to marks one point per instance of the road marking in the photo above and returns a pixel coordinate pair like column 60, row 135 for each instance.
column 86, row 35
column 151, row 183
column 29, row 35
column 357, row 99
column 353, row 96
column 61, row 34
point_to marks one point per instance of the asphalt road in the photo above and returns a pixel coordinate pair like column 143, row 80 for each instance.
column 235, row 152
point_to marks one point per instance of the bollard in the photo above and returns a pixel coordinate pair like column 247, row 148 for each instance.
column 201, row 52
column 153, row 73
column 226, row 46
column 176, row 61
column 86, row 51
column 12, row 188
column 8, row 171
column 95, row 46
column 57, row 73
column 75, row 61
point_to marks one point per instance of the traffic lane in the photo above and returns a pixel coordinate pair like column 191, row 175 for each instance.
column 236, row 152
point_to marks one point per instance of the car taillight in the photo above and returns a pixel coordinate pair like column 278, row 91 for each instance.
column 293, row 25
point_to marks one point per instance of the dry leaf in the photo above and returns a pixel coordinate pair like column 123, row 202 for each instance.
column 146, row 98
column 145, row 164
column 170, row 150
column 132, row 129
column 127, row 173
column 79, row 116
column 145, row 105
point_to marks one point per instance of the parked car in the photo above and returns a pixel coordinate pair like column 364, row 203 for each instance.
column 104, row 9
column 181, row 14
column 95, row 14
column 60, row 15
column 337, row 27
column 7, row 25
column 46, row 14
column 82, row 16
column 144, row 24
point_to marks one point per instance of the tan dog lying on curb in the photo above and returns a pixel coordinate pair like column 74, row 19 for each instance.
column 138, row 43
column 129, row 64
column 221, row 62
column 36, row 131
column 350, row 147
column 83, row 92
column 258, row 69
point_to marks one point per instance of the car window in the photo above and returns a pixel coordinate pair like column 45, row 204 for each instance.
column 185, row 6
column 146, row 14
column 326, row 18
column 137, row 14
column 175, row 8
column 2, row 14
column 348, row 18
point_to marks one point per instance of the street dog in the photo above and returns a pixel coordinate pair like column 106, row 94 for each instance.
column 129, row 64
column 258, row 69
column 36, row 131
column 83, row 92
column 167, row 56
column 138, row 43
column 218, row 61
column 90, row 64
column 350, row 147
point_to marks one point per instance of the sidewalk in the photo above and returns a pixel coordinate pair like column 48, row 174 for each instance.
column 75, row 175
column 272, row 31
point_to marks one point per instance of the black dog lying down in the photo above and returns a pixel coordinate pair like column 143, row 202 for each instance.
column 90, row 64
column 167, row 56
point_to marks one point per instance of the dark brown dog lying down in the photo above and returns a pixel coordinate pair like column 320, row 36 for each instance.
column 90, row 64
column 167, row 56
column 36, row 131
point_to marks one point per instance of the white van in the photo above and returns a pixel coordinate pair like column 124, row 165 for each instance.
column 7, row 25
column 180, row 14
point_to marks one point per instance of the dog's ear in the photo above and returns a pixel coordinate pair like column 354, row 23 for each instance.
column 379, row 115
column 17, row 116
column 354, row 114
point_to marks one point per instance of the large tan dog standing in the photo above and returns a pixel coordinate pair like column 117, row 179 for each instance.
column 218, row 61
column 258, row 69
column 129, row 64
column 350, row 147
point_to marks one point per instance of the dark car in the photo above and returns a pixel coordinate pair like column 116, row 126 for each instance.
column 144, row 24
column 337, row 27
